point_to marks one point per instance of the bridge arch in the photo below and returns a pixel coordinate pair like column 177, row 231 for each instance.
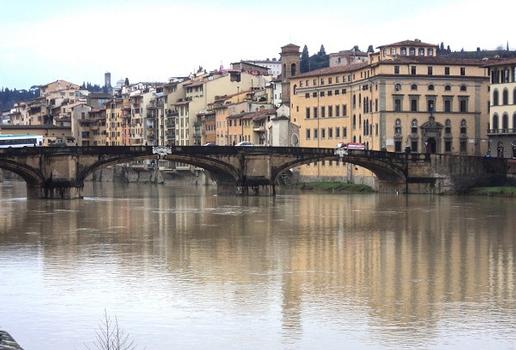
column 220, row 171
column 30, row 175
column 384, row 168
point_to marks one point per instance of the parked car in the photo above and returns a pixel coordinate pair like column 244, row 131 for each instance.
column 244, row 143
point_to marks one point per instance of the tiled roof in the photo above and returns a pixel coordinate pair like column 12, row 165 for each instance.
column 409, row 43
column 499, row 62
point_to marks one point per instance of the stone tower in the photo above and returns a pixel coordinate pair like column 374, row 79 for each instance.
column 289, row 68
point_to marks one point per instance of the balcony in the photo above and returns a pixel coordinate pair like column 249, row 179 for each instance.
column 501, row 131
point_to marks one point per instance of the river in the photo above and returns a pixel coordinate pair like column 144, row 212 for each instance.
column 183, row 268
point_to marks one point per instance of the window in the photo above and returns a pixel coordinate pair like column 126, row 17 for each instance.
column 323, row 112
column 322, row 81
column 404, row 51
column 337, row 111
column 337, row 132
column 495, row 122
column 446, row 70
column 462, row 70
column 430, row 70
column 344, row 132
column 413, row 104
column 397, row 104
column 321, row 93
column 463, row 104
column 495, row 97
column 430, row 52
column 344, row 110
column 447, row 127
column 330, row 81
column 397, row 127
column 330, row 133
column 330, row 111
column 337, row 92
column 447, row 105
column 314, row 94
column 293, row 69
column 396, row 69
column 330, row 93
column 463, row 127
column 413, row 146
column 308, row 134
column 505, row 122
column 431, row 87
column 505, row 97
column 413, row 87
column 412, row 51
column 463, row 145
column 323, row 133
column 430, row 104
column 307, row 113
column 413, row 126
column 447, row 88
column 463, row 88
column 307, row 95
column 354, row 121
column 413, row 70
column 397, row 87
column 447, row 145
column 315, row 112
column 315, row 133
column 421, row 52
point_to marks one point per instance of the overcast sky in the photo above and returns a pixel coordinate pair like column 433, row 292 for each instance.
column 152, row 40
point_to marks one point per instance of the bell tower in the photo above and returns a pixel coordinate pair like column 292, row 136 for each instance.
column 289, row 69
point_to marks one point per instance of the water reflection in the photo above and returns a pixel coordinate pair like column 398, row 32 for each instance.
column 185, row 268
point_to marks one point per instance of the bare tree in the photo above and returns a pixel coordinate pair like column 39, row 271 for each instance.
column 109, row 336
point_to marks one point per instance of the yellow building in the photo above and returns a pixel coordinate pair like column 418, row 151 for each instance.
column 404, row 97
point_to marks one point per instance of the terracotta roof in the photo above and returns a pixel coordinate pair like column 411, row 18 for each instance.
column 194, row 83
column 293, row 46
column 333, row 70
column 409, row 43
column 499, row 62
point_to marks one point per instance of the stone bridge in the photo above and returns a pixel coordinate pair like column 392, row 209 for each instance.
column 60, row 172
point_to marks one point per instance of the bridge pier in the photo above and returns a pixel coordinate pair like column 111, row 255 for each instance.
column 57, row 190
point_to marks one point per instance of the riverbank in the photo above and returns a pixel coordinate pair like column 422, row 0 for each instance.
column 498, row 191
column 330, row 187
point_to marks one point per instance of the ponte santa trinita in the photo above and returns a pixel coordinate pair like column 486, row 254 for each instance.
column 309, row 187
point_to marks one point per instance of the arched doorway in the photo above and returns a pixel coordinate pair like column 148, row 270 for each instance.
column 431, row 145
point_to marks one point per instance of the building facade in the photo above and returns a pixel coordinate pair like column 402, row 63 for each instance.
column 502, row 124
column 404, row 98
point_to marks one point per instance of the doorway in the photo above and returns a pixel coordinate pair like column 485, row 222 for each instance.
column 431, row 145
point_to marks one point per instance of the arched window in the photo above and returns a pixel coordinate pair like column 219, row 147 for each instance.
column 495, row 122
column 505, row 96
column 431, row 87
column 447, row 88
column 293, row 69
column 397, row 127
column 463, row 127
column 447, row 126
column 463, row 88
column 413, row 87
column 495, row 97
column 505, row 122
column 413, row 126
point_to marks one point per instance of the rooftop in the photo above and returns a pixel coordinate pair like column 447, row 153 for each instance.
column 415, row 42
